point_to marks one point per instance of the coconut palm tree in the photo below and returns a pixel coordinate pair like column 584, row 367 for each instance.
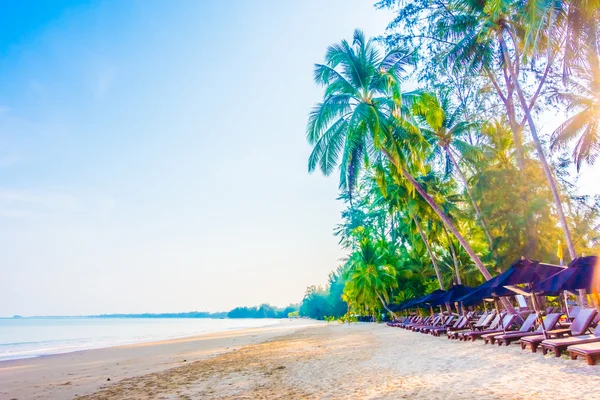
column 442, row 125
column 491, row 33
column 370, row 271
column 362, row 118
column 584, row 125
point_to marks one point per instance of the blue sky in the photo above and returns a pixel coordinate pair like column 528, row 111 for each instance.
column 153, row 155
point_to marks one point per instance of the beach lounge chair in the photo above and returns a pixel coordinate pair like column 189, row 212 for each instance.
column 525, row 327
column 436, row 322
column 420, row 322
column 460, row 324
column 591, row 352
column 560, row 345
column 580, row 325
column 495, row 322
column 426, row 322
column 443, row 329
column 504, row 324
column 414, row 321
column 446, row 321
column 549, row 323
column 484, row 320
column 410, row 320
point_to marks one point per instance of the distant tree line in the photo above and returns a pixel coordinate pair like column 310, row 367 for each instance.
column 320, row 302
column 263, row 311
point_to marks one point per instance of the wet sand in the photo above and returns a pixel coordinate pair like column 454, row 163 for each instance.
column 66, row 376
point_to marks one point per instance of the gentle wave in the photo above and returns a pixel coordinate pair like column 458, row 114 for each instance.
column 33, row 337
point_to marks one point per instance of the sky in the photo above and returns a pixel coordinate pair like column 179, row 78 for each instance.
column 153, row 154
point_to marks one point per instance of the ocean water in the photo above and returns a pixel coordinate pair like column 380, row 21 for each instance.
column 34, row 337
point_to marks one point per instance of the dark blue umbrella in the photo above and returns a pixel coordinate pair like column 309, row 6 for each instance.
column 452, row 295
column 526, row 271
column 523, row 271
column 582, row 273
column 424, row 299
column 399, row 306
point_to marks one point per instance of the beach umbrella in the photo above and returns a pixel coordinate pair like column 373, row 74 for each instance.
column 452, row 295
column 424, row 299
column 528, row 272
column 523, row 271
column 581, row 273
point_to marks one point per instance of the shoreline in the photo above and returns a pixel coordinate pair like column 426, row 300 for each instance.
column 65, row 347
column 310, row 361
column 80, row 372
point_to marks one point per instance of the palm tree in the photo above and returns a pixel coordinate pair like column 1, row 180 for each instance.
column 370, row 273
column 441, row 123
column 362, row 118
column 584, row 99
column 493, row 28
column 397, row 196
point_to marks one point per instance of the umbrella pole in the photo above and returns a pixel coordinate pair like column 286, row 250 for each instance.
column 566, row 303
column 498, row 311
column 537, row 313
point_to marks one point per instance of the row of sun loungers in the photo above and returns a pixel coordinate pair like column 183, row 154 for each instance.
column 575, row 338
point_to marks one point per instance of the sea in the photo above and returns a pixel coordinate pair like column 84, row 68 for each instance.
column 35, row 337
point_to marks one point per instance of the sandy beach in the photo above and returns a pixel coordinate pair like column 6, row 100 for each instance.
column 65, row 376
column 294, row 361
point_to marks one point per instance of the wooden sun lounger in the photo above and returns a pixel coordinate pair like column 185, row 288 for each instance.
column 417, row 321
column 460, row 324
column 492, row 325
column 506, row 322
column 591, row 352
column 549, row 322
column 437, row 321
column 560, row 345
column 525, row 327
column 485, row 319
column 444, row 323
column 580, row 325
column 410, row 320
column 428, row 321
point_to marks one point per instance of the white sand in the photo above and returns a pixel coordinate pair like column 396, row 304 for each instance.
column 64, row 376
column 365, row 361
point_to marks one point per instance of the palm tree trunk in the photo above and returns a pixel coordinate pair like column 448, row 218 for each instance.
column 449, row 224
column 480, row 218
column 454, row 259
column 385, row 305
column 431, row 255
column 548, row 173
column 536, row 140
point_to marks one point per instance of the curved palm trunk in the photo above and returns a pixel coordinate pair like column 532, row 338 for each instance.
column 431, row 255
column 552, row 184
column 480, row 218
column 449, row 224
column 513, row 72
column 385, row 305
column 454, row 259
column 548, row 173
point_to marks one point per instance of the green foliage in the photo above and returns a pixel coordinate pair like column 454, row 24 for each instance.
column 320, row 302
column 263, row 311
column 465, row 140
